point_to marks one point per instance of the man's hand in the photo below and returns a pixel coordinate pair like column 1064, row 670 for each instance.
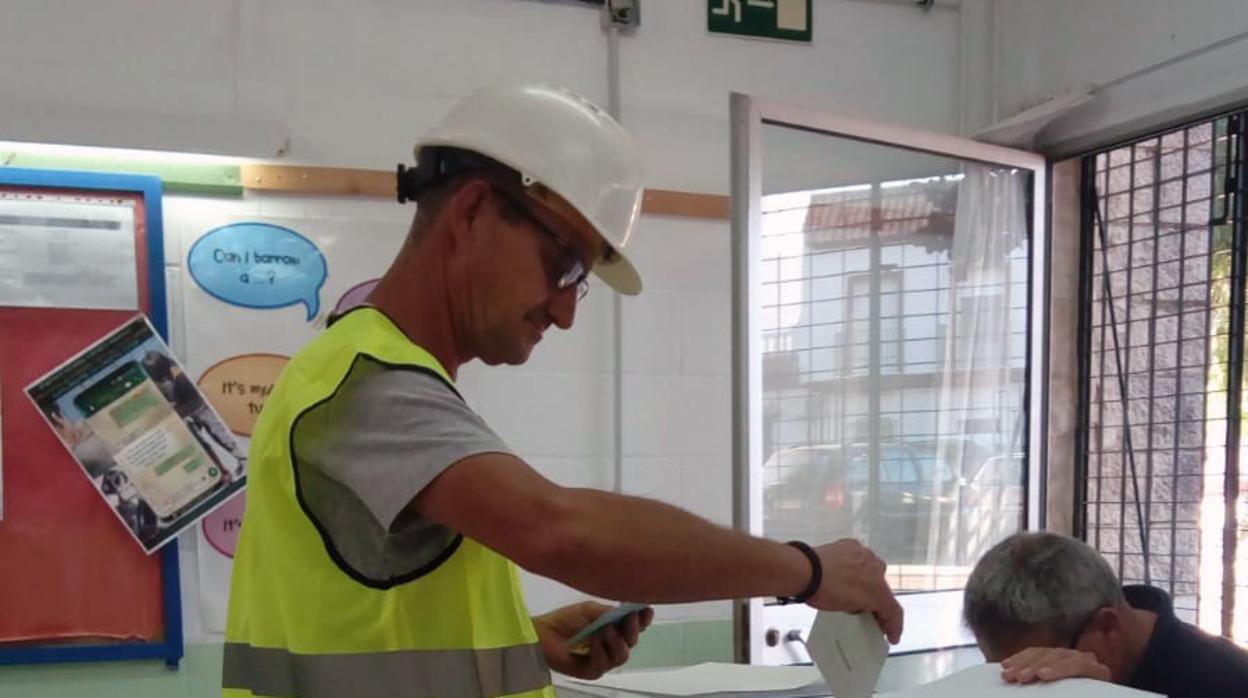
column 1051, row 664
column 853, row 581
column 608, row 648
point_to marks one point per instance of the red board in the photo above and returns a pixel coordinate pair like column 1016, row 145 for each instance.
column 68, row 567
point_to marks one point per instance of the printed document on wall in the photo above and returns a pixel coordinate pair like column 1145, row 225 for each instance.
column 56, row 254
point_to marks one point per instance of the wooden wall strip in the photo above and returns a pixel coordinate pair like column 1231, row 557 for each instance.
column 665, row 202
column 339, row 181
column 319, row 180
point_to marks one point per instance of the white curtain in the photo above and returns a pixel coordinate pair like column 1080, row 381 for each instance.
column 979, row 402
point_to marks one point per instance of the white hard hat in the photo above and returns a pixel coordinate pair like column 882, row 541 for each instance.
column 561, row 144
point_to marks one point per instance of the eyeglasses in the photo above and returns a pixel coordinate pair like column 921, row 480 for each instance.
column 571, row 272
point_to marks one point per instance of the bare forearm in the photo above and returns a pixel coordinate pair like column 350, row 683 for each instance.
column 642, row 550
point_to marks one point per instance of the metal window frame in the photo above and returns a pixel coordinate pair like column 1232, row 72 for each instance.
column 1237, row 218
column 747, row 116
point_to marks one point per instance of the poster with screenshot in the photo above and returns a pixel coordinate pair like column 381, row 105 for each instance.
column 143, row 433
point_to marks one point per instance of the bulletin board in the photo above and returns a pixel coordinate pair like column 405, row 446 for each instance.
column 74, row 586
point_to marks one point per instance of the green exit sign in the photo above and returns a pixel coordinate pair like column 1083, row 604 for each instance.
column 770, row 19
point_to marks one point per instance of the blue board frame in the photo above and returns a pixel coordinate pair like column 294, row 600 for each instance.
column 171, row 649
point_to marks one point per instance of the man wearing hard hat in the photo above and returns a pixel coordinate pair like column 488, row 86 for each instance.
column 385, row 519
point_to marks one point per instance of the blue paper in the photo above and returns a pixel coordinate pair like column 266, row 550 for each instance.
column 259, row 265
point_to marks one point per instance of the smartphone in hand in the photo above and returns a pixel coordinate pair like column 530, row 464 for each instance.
column 615, row 615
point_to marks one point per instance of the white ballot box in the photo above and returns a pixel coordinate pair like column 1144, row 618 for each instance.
column 715, row 680
column 985, row 680
column 851, row 661
column 708, row 679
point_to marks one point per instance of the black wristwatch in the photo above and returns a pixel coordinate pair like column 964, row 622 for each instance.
column 816, row 575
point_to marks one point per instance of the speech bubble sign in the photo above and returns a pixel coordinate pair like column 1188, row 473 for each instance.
column 238, row 386
column 355, row 296
column 221, row 527
column 259, row 265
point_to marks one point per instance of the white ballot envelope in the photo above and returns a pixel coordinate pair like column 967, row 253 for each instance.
column 849, row 650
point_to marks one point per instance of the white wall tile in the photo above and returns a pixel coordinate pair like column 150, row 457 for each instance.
column 597, row 473
column 651, row 416
column 705, row 414
column 651, row 332
column 706, row 333
column 685, row 254
column 345, row 208
column 706, row 487
column 677, row 415
column 546, row 414
column 706, row 610
column 653, row 478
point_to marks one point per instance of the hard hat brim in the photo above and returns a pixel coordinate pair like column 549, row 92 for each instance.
column 620, row 274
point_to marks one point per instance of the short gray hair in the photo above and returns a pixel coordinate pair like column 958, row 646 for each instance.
column 1031, row 581
column 431, row 200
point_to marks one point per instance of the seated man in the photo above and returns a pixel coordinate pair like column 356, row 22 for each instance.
column 1049, row 607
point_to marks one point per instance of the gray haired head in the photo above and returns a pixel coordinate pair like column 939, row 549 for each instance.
column 1037, row 581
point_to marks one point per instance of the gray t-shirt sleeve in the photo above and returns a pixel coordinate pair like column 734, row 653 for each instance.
column 393, row 431
column 365, row 452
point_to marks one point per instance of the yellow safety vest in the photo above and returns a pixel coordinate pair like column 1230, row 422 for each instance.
column 302, row 625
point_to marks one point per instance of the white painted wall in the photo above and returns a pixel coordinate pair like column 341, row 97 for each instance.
column 883, row 60
column 1046, row 49
column 352, row 82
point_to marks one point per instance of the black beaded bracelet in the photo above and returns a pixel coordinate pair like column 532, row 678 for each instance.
column 816, row 575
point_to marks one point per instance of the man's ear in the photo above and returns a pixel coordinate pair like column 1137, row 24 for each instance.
column 1106, row 629
column 463, row 209
column 1107, row 620
column 1107, row 638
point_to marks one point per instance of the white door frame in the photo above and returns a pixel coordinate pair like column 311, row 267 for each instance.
column 748, row 114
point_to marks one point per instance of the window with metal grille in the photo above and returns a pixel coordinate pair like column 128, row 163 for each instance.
column 863, row 324
column 1163, row 495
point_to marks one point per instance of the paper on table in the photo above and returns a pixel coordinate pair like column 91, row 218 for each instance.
column 710, row 677
column 849, row 650
column 985, row 680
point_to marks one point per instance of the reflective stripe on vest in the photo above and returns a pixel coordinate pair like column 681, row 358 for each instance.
column 414, row 673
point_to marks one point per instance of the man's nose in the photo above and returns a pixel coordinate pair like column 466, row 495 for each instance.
column 563, row 307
